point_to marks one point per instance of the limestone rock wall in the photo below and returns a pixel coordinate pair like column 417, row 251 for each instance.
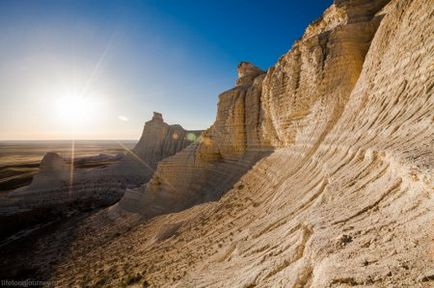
column 160, row 140
column 295, row 103
column 344, row 200
column 207, row 169
column 306, row 91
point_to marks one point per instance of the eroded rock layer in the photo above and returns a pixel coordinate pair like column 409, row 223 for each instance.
column 296, row 103
column 345, row 199
column 205, row 170
column 59, row 189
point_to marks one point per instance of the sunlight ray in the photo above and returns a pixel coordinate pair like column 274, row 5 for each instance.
column 135, row 155
column 71, row 170
column 144, row 163
column 101, row 59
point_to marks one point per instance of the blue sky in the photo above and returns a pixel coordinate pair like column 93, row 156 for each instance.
column 126, row 59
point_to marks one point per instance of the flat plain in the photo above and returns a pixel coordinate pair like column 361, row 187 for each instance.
column 19, row 160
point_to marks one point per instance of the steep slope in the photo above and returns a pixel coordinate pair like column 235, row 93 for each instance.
column 296, row 103
column 205, row 170
column 344, row 200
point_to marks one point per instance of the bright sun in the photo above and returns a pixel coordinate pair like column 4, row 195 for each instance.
column 74, row 110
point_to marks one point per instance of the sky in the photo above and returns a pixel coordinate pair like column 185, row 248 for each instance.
column 98, row 69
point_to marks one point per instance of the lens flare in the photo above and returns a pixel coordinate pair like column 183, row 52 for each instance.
column 191, row 137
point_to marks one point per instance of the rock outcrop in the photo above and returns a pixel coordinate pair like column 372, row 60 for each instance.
column 53, row 172
column 57, row 184
column 160, row 140
column 247, row 72
column 344, row 199
column 296, row 103
column 205, row 170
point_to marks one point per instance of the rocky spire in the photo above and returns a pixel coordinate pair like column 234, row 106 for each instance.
column 157, row 116
column 247, row 72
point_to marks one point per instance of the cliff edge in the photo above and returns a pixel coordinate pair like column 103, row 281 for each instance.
column 320, row 168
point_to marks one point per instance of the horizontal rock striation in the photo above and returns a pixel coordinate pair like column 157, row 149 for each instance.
column 295, row 103
column 343, row 196
column 205, row 170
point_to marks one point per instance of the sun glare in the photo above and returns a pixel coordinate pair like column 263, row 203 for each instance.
column 74, row 110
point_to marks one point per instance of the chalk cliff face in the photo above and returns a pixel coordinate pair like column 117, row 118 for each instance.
column 332, row 152
column 160, row 140
column 296, row 103
column 205, row 170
